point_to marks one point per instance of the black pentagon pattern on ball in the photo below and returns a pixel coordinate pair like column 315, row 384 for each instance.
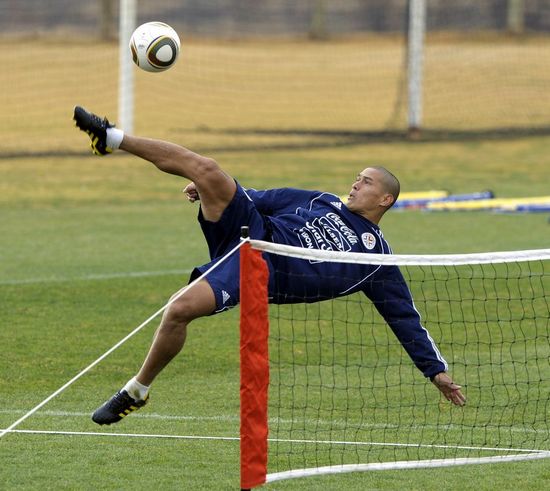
column 154, row 48
column 134, row 52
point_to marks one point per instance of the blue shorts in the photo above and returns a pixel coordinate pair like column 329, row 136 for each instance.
column 224, row 235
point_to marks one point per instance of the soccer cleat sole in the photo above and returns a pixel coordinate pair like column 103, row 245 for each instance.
column 79, row 113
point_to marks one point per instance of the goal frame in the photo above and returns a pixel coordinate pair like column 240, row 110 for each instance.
column 415, row 56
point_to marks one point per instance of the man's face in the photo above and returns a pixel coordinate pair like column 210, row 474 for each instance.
column 367, row 193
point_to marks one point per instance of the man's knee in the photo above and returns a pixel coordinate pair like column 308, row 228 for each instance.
column 209, row 174
column 213, row 184
column 181, row 310
column 197, row 301
column 208, row 166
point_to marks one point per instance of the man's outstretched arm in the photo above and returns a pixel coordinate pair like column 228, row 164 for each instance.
column 392, row 298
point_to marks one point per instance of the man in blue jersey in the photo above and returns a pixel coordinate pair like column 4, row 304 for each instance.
column 296, row 217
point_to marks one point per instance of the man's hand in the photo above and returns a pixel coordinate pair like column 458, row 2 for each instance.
column 449, row 389
column 191, row 192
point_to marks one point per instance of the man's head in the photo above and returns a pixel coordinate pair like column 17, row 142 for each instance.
column 374, row 191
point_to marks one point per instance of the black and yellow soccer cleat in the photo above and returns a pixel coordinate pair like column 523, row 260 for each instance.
column 95, row 127
column 120, row 405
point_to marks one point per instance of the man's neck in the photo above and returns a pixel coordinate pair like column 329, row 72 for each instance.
column 372, row 217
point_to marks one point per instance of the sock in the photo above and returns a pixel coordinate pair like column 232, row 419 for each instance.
column 135, row 389
column 114, row 137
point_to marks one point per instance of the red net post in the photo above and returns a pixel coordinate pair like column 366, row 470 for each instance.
column 254, row 331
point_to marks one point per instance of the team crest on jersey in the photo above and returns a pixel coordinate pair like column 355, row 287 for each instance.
column 369, row 240
column 337, row 204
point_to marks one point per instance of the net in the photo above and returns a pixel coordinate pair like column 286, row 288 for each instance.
column 344, row 395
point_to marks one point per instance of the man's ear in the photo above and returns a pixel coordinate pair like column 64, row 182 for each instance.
column 387, row 200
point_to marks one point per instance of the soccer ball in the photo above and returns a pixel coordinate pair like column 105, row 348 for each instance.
column 155, row 46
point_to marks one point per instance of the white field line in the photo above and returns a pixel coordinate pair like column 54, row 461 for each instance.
column 94, row 277
column 166, row 417
column 277, row 440
column 338, row 424
column 124, row 435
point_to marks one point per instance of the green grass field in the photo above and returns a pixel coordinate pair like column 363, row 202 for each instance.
column 92, row 247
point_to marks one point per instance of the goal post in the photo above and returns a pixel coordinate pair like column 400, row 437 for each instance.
column 415, row 63
column 127, row 24
column 344, row 396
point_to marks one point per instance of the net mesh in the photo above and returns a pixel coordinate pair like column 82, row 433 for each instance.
column 344, row 391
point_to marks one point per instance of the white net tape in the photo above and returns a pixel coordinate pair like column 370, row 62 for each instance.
column 403, row 259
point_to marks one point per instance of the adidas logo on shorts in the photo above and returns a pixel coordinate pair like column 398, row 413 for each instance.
column 225, row 296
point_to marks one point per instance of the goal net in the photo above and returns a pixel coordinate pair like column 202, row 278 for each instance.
column 333, row 390
column 252, row 75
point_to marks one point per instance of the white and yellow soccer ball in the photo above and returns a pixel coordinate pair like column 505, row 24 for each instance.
column 155, row 46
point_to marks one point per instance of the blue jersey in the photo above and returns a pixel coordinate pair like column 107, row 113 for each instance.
column 315, row 220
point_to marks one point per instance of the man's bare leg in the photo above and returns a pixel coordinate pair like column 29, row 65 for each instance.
column 216, row 189
column 169, row 339
column 197, row 301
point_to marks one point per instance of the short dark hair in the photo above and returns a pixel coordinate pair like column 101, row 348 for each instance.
column 390, row 182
